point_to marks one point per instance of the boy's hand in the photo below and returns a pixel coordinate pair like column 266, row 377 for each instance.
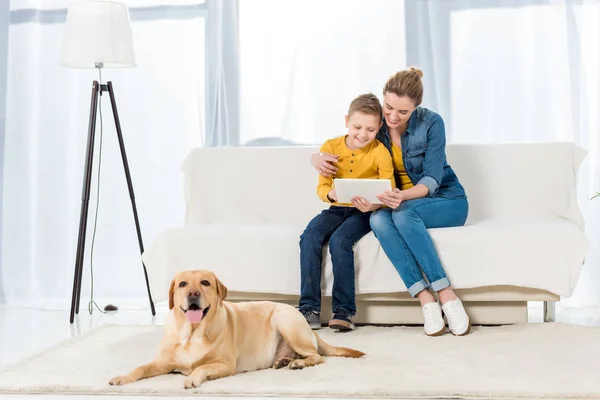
column 324, row 163
column 364, row 205
column 332, row 196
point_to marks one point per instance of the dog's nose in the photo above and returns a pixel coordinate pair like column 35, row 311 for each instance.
column 194, row 294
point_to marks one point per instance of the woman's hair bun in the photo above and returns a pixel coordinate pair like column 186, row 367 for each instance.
column 416, row 70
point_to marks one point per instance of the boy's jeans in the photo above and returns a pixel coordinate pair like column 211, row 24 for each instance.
column 403, row 236
column 342, row 227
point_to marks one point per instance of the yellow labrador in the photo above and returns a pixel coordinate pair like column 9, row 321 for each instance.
column 209, row 338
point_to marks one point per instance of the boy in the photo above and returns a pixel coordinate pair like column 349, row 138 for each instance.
column 342, row 225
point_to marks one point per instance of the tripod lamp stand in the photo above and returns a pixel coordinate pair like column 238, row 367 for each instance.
column 98, row 35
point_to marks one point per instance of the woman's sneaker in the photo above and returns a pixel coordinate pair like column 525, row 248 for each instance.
column 341, row 322
column 313, row 319
column 434, row 322
column 458, row 320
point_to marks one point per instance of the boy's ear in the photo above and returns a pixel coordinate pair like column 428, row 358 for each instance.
column 346, row 118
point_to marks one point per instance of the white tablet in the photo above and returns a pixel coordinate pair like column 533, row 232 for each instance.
column 347, row 188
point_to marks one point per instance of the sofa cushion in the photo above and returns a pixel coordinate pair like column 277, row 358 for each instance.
column 278, row 184
column 541, row 253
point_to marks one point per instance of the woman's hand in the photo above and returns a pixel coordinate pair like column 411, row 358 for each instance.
column 332, row 196
column 364, row 205
column 324, row 163
column 392, row 199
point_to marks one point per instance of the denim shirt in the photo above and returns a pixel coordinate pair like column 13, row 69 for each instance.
column 424, row 153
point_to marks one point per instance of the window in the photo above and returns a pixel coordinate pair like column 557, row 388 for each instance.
column 302, row 62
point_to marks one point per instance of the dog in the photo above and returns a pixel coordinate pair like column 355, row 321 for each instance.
column 208, row 338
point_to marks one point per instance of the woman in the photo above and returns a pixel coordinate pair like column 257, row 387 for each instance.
column 430, row 196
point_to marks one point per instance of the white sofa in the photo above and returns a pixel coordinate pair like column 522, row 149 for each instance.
column 246, row 208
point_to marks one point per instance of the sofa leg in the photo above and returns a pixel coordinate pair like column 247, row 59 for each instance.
column 549, row 311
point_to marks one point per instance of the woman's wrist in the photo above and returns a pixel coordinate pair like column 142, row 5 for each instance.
column 416, row 192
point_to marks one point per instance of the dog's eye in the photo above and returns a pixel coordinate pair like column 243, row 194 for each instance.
column 205, row 283
column 182, row 284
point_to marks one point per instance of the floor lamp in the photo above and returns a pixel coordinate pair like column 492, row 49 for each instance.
column 98, row 35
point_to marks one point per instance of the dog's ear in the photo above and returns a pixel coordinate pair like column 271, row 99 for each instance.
column 171, row 293
column 221, row 289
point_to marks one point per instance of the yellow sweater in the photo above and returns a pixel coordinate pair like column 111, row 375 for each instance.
column 371, row 162
column 403, row 179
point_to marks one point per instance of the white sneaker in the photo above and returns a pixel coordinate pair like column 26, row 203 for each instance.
column 434, row 322
column 458, row 320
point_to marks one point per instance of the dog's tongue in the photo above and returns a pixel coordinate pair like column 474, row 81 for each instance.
column 194, row 316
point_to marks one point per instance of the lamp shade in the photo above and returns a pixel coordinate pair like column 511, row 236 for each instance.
column 97, row 31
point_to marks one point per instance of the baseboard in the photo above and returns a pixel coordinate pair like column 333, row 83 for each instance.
column 410, row 313
column 62, row 304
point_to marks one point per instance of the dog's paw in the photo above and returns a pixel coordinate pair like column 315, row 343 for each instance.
column 282, row 362
column 296, row 364
column 192, row 381
column 120, row 380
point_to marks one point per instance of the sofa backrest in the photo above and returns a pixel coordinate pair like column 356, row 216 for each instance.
column 278, row 184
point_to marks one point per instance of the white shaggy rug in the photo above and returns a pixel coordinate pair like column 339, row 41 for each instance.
column 521, row 361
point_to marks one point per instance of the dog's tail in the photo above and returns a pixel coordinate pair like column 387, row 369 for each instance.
column 325, row 349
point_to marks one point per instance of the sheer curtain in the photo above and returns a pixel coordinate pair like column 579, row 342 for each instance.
column 160, row 106
column 269, row 72
column 4, row 22
column 303, row 61
column 496, row 70
column 527, row 71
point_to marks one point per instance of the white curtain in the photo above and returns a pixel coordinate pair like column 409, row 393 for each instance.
column 4, row 22
column 276, row 72
column 303, row 61
column 496, row 70
column 526, row 71
column 222, row 73
column 160, row 107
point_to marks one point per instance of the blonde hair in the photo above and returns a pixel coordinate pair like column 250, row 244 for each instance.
column 367, row 104
column 406, row 83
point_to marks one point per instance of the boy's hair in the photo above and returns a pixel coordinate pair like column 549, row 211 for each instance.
column 367, row 104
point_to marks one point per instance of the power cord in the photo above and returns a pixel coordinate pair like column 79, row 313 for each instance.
column 92, row 303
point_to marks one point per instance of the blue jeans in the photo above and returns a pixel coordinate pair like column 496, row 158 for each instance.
column 342, row 227
column 403, row 236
